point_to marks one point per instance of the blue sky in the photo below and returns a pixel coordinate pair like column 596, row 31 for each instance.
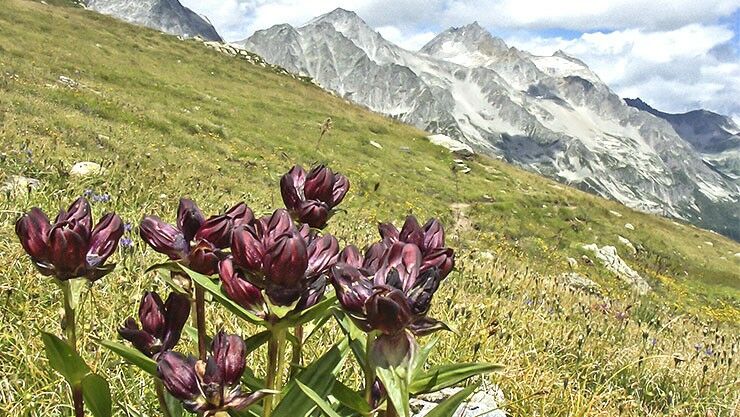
column 675, row 54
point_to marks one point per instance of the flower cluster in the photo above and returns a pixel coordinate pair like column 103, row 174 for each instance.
column 71, row 247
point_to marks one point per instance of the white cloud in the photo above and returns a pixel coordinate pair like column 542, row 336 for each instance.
column 410, row 41
column 672, row 70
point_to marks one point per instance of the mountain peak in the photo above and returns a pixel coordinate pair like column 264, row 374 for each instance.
column 472, row 37
column 339, row 16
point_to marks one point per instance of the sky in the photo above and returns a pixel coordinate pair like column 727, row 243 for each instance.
column 677, row 55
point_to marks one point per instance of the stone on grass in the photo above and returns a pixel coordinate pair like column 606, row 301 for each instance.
column 610, row 258
column 626, row 243
column 18, row 185
column 86, row 168
column 579, row 282
column 629, row 226
column 376, row 144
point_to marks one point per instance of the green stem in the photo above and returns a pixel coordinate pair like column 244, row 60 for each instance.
column 159, row 388
column 369, row 375
column 200, row 320
column 297, row 356
column 275, row 364
column 70, row 330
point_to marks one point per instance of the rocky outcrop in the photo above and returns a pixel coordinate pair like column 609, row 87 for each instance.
column 610, row 259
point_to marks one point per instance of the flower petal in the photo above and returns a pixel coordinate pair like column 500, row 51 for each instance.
column 104, row 239
column 189, row 218
column 164, row 238
column 33, row 231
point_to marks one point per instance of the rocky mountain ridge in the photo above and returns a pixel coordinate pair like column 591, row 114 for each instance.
column 551, row 114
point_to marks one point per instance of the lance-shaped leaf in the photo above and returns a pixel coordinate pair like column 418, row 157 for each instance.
column 132, row 356
column 96, row 392
column 318, row 400
column 64, row 360
column 317, row 375
column 397, row 388
column 449, row 406
column 447, row 375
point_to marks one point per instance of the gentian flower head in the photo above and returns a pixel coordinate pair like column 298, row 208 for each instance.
column 273, row 258
column 69, row 248
column 161, row 323
column 388, row 292
column 211, row 386
column 311, row 198
column 195, row 241
column 430, row 239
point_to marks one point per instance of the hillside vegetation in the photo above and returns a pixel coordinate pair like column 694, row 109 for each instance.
column 167, row 118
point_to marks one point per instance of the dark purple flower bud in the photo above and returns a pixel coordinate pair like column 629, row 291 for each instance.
column 291, row 187
column 420, row 295
column 33, row 231
column 229, row 354
column 341, row 186
column 67, row 251
column 352, row 288
column 79, row 216
column 239, row 289
column 314, row 213
column 178, row 375
column 405, row 258
column 378, row 393
column 374, row 257
column 322, row 255
column 312, row 293
column 161, row 323
column 350, row 255
column 151, row 314
column 216, row 230
column 388, row 232
column 203, row 258
column 434, row 235
column 240, row 215
column 142, row 341
column 104, row 239
column 189, row 218
column 393, row 350
column 307, row 233
column 388, row 310
column 286, row 261
column 319, row 184
column 411, row 232
column 164, row 238
column 426, row 325
column 441, row 259
column 247, row 249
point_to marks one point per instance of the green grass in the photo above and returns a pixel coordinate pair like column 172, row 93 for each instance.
column 170, row 118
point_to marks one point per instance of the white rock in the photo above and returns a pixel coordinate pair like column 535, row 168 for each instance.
column 579, row 282
column 709, row 243
column 455, row 146
column 629, row 226
column 572, row 263
column 626, row 243
column 610, row 258
column 484, row 403
column 83, row 169
column 376, row 144
column 737, row 255
column 18, row 185
column 615, row 213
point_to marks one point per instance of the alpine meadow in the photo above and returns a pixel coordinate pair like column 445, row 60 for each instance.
column 562, row 302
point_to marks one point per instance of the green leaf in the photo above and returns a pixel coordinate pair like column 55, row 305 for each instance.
column 448, row 407
column 253, row 342
column 220, row 296
column 315, row 312
column 357, row 338
column 171, row 266
column 397, row 388
column 317, row 375
column 96, row 392
column 422, row 355
column 174, row 406
column 76, row 287
column 443, row 376
column 132, row 356
column 316, row 398
column 350, row 398
column 63, row 359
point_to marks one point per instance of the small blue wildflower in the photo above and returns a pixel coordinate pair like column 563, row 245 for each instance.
column 126, row 242
column 87, row 193
column 697, row 347
column 709, row 351
column 127, row 227
column 654, row 341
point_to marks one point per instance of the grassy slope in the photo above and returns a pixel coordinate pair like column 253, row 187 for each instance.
column 168, row 117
